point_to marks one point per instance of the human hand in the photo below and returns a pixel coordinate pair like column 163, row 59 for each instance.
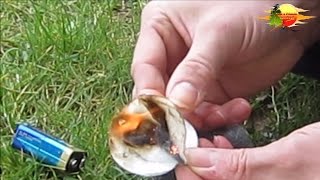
column 292, row 157
column 216, row 56
column 201, row 54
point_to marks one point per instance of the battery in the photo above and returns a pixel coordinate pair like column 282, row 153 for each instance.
column 47, row 149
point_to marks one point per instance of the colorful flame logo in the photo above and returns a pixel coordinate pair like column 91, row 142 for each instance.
column 286, row 16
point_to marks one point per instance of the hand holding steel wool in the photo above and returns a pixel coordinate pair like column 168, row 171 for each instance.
column 149, row 136
column 208, row 58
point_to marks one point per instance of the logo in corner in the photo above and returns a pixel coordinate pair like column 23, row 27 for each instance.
column 285, row 16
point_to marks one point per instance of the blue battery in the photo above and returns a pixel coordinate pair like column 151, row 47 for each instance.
column 49, row 150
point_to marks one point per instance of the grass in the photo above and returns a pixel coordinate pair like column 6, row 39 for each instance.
column 65, row 68
column 289, row 105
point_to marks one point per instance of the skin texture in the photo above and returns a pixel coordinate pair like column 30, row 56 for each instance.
column 208, row 62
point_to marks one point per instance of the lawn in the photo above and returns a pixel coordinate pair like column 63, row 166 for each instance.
column 65, row 67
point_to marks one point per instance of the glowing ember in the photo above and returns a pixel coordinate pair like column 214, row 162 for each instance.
column 149, row 135
column 126, row 123
column 174, row 150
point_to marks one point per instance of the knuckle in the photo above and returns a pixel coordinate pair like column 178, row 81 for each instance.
column 158, row 22
column 140, row 66
column 201, row 65
column 154, row 16
column 238, row 167
column 196, row 72
column 148, row 8
column 213, row 174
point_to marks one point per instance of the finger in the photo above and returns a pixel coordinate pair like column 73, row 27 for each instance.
column 218, row 142
column 200, row 68
column 149, row 63
column 206, row 143
column 148, row 68
column 209, row 116
column 159, row 49
column 218, row 164
column 221, row 142
column 232, row 112
column 208, row 163
column 185, row 173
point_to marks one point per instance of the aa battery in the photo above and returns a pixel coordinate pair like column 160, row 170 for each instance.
column 47, row 149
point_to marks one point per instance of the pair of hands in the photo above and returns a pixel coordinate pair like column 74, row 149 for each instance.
column 203, row 55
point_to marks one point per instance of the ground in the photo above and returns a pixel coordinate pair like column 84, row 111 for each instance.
column 65, row 69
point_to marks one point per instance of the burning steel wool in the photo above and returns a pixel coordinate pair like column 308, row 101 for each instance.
column 149, row 136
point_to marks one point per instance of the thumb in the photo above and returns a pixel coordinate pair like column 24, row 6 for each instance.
column 221, row 164
column 217, row 164
column 199, row 70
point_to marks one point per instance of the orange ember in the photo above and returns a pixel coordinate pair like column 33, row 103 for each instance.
column 174, row 150
column 129, row 122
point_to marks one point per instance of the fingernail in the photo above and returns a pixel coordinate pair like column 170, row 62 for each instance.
column 215, row 140
column 134, row 92
column 240, row 110
column 149, row 92
column 184, row 95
